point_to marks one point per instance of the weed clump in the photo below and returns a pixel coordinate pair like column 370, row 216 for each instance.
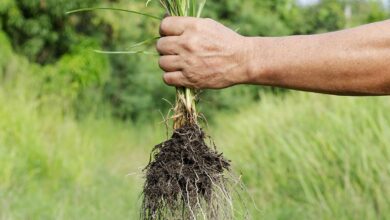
column 185, row 178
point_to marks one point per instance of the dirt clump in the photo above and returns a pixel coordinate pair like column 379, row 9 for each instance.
column 185, row 178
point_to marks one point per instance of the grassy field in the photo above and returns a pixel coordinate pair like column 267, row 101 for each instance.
column 313, row 156
column 301, row 156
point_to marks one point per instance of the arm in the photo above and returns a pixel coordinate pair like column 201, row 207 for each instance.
column 202, row 53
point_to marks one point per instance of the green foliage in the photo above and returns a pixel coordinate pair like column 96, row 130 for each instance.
column 301, row 157
column 54, row 167
column 11, row 65
column 64, row 83
column 326, row 16
column 40, row 30
column 250, row 17
column 74, row 75
column 131, row 84
column 6, row 51
column 136, row 91
column 376, row 12
column 307, row 156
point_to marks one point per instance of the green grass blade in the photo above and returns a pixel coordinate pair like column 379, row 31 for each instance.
column 200, row 9
column 113, row 9
column 126, row 52
column 145, row 42
column 192, row 8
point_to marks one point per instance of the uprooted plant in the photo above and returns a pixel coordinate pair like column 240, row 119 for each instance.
column 185, row 179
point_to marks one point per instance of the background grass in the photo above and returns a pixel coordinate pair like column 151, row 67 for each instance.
column 76, row 127
column 301, row 156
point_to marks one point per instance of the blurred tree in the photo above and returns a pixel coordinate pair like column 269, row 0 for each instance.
column 375, row 11
column 131, row 84
column 40, row 29
column 135, row 89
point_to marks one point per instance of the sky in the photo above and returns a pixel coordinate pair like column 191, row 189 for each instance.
column 308, row 2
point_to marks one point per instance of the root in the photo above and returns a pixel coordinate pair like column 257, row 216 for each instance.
column 186, row 180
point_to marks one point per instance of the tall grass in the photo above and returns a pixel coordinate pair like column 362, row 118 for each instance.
column 55, row 167
column 301, row 157
column 309, row 156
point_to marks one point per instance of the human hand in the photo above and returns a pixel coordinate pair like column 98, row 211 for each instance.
column 202, row 53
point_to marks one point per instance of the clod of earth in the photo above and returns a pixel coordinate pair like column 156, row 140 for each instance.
column 186, row 178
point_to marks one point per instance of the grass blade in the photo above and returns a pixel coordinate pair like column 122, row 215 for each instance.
column 201, row 6
column 126, row 52
column 145, row 42
column 113, row 9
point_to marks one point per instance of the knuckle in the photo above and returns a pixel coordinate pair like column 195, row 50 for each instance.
column 197, row 26
column 192, row 78
column 167, row 80
column 182, row 42
column 208, row 20
column 188, row 62
column 192, row 42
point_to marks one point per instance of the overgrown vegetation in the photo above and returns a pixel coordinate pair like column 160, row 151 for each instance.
column 40, row 31
column 56, row 167
column 63, row 155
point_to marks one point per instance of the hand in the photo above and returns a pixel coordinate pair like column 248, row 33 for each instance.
column 202, row 53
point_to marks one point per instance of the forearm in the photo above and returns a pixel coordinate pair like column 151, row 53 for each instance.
column 350, row 62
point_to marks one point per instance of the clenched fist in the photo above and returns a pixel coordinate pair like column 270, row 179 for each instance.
column 202, row 53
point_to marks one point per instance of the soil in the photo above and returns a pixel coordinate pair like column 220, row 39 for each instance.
column 184, row 178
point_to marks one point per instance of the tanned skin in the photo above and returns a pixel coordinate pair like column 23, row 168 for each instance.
column 204, row 54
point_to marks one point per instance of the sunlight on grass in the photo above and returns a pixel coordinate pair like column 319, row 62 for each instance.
column 305, row 156
column 301, row 156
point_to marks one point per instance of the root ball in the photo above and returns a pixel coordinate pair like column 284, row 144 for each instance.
column 185, row 179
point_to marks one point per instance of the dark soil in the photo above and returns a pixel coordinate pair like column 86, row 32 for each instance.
column 186, row 178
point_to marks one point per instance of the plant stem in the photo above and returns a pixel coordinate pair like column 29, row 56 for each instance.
column 185, row 108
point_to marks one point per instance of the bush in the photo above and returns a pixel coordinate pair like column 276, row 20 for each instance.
column 41, row 31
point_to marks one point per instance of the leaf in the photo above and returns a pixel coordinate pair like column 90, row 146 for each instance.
column 144, row 42
column 126, row 52
column 113, row 9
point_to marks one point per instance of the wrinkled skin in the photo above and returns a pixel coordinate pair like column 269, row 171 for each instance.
column 201, row 53
column 204, row 54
